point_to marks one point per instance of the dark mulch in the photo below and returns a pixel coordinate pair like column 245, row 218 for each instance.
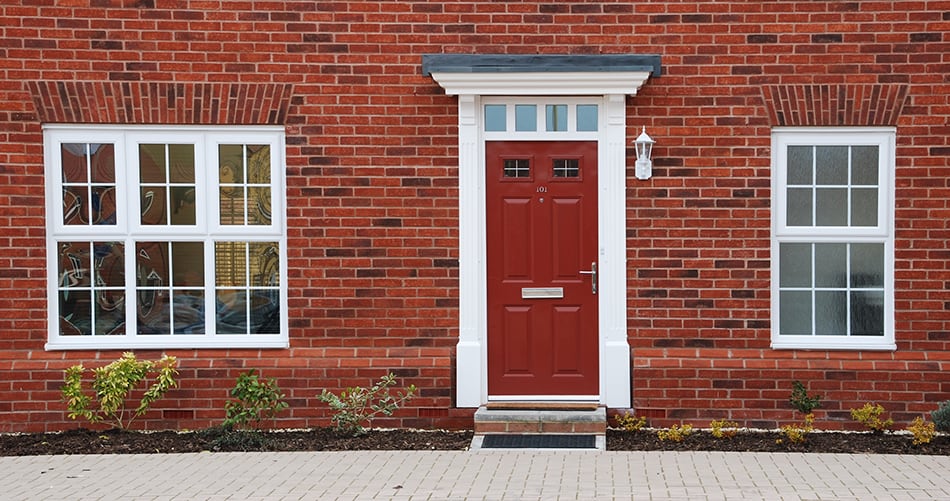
column 850, row 443
column 327, row 439
column 321, row 439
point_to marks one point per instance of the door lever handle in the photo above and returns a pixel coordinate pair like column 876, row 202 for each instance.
column 593, row 276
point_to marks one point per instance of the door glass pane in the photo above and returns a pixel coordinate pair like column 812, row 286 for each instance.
column 831, row 313
column 831, row 165
column 864, row 165
column 831, row 265
column 517, row 167
column 867, row 265
column 495, row 118
column 798, row 207
column 555, row 117
column 586, row 117
column 864, row 207
column 867, row 313
column 800, row 165
column 795, row 312
column 831, row 207
column 566, row 167
column 526, row 117
column 795, row 265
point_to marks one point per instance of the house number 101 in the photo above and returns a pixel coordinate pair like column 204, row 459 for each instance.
column 542, row 189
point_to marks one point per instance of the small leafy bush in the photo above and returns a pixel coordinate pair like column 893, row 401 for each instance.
column 675, row 433
column 796, row 433
column 255, row 400
column 358, row 405
column 630, row 422
column 722, row 428
column 923, row 432
column 870, row 417
column 801, row 400
column 941, row 417
column 113, row 385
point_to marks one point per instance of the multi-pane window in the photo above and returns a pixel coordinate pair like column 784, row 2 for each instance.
column 166, row 237
column 832, row 245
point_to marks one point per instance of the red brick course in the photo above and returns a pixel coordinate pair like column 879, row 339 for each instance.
column 372, row 186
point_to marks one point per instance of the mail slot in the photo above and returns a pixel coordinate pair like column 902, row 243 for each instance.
column 542, row 292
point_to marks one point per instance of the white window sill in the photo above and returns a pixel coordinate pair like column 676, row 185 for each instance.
column 168, row 342
column 811, row 343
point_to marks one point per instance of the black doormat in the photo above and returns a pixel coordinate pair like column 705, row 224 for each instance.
column 544, row 441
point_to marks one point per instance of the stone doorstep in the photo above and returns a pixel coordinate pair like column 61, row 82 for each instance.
column 593, row 421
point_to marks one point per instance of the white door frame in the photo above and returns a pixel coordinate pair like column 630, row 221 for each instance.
column 612, row 87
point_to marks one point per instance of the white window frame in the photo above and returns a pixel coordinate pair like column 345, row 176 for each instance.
column 128, row 229
column 884, row 138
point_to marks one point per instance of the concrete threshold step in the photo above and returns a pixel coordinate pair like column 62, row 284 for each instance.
column 591, row 420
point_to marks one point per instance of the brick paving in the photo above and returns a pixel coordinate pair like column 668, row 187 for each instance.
column 482, row 475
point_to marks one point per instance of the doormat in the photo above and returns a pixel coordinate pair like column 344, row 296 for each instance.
column 541, row 441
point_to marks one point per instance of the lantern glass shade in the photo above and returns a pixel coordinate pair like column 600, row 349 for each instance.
column 644, row 144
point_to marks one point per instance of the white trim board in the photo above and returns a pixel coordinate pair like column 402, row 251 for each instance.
column 611, row 89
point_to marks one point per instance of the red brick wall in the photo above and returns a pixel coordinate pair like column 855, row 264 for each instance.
column 372, row 187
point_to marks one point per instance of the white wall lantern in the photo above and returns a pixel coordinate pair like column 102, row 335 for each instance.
column 644, row 145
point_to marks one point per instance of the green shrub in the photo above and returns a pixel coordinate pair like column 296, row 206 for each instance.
column 113, row 385
column 357, row 405
column 801, row 400
column 255, row 399
column 870, row 417
column 941, row 417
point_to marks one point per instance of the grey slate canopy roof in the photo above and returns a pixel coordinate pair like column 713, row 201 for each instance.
column 538, row 63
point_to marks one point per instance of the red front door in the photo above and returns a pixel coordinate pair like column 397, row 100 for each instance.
column 542, row 256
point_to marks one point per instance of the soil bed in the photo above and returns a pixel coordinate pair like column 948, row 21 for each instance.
column 326, row 439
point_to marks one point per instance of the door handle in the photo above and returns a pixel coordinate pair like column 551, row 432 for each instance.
column 593, row 276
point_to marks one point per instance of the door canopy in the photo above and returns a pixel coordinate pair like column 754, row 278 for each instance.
column 541, row 75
